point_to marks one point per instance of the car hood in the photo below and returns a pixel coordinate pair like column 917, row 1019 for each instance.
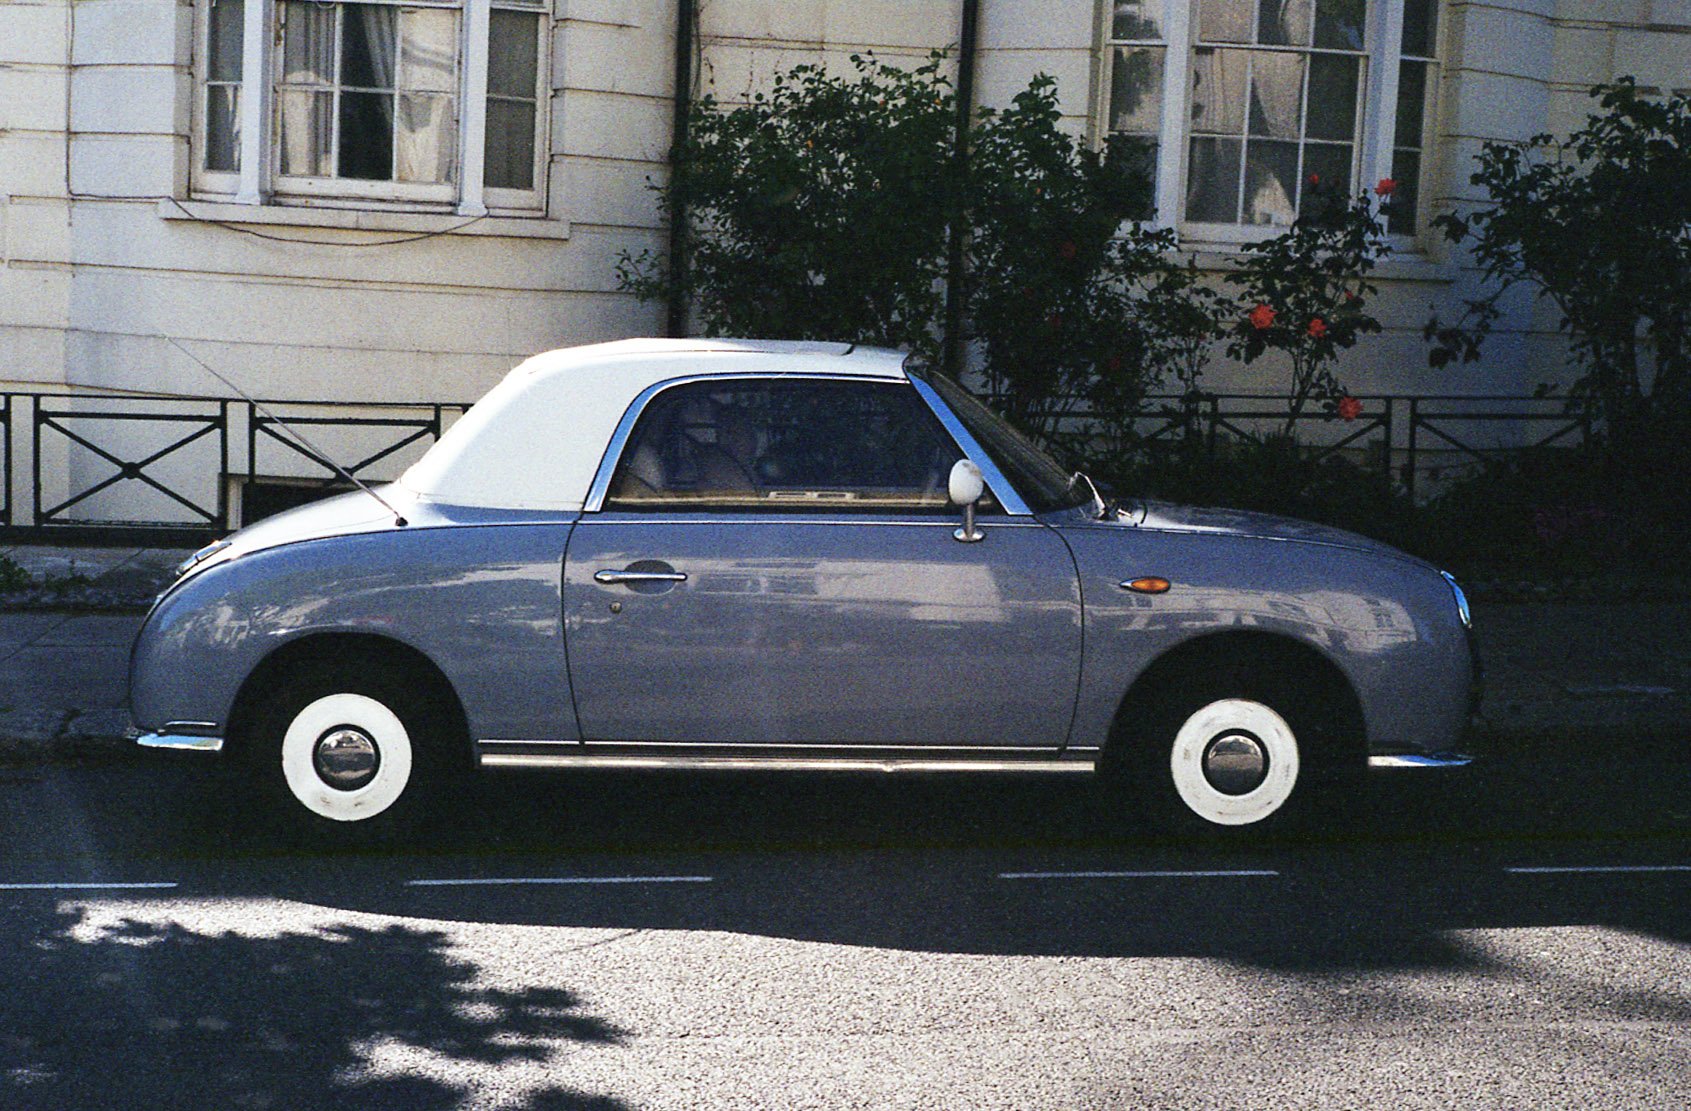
column 1168, row 517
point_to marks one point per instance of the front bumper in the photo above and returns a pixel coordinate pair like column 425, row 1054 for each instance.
column 1420, row 760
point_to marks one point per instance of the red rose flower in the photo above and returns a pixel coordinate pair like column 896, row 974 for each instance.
column 1262, row 317
column 1317, row 328
column 1386, row 187
column 1314, row 180
column 1349, row 408
column 1067, row 249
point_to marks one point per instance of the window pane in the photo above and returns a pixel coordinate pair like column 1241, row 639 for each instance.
column 510, row 145
column 513, row 56
column 225, row 54
column 1284, row 22
column 1406, row 171
column 223, row 128
column 1224, row 21
column 307, row 124
column 308, row 44
column 1420, row 27
column 1136, row 90
column 368, row 38
column 1218, row 91
column 1339, row 24
column 1212, row 189
column 428, row 50
column 1331, row 163
column 366, row 139
column 786, row 447
column 1137, row 19
column 426, row 143
column 1333, row 85
column 1271, row 183
column 1411, row 103
column 1276, row 94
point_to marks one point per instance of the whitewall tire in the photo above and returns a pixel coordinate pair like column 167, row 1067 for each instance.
column 346, row 757
column 1234, row 762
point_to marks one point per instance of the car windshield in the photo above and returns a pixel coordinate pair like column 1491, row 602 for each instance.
column 1041, row 481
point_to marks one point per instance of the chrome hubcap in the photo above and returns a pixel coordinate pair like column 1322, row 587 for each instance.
column 1235, row 763
column 346, row 758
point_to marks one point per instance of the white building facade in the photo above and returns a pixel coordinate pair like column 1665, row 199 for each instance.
column 396, row 200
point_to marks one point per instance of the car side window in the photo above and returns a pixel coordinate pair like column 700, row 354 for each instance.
column 785, row 446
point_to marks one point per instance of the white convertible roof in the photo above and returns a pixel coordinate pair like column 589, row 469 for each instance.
column 536, row 439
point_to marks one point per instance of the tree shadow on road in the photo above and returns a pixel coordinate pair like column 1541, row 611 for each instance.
column 111, row 1005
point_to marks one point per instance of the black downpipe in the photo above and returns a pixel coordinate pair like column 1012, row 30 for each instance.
column 676, row 320
column 951, row 350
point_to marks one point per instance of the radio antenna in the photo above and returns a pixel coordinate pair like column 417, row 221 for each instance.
column 310, row 448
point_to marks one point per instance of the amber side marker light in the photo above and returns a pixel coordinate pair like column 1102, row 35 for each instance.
column 1150, row 584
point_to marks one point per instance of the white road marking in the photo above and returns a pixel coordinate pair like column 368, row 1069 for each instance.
column 83, row 886
column 556, row 880
column 1135, row 875
column 1599, row 868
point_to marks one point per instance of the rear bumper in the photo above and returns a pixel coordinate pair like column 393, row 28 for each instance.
column 180, row 740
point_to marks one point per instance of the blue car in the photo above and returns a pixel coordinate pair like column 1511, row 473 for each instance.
column 703, row 554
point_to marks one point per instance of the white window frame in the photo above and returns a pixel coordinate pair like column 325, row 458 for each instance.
column 1375, row 140
column 258, row 182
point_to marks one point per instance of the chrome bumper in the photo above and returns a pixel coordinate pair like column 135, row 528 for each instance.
column 180, row 741
column 1420, row 760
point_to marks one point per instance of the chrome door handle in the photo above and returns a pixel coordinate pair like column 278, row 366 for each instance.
column 611, row 578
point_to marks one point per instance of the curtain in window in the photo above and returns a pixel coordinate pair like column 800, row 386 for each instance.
column 306, row 102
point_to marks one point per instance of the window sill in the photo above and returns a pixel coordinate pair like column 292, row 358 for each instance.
column 536, row 226
column 1406, row 266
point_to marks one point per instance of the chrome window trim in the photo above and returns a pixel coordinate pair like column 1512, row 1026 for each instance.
column 600, row 487
column 1000, row 486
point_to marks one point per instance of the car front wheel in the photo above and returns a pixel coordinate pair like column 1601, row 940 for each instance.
column 1215, row 754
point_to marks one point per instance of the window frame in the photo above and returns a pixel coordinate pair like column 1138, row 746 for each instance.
column 258, row 180
column 604, row 498
column 1375, row 139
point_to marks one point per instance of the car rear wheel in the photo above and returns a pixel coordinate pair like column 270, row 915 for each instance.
column 343, row 749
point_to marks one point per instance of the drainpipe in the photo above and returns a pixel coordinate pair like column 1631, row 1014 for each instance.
column 951, row 351
column 676, row 320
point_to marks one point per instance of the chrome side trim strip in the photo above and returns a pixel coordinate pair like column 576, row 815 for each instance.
column 180, row 741
column 654, row 761
column 1420, row 760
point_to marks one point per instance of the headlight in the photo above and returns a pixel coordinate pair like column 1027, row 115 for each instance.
column 1461, row 600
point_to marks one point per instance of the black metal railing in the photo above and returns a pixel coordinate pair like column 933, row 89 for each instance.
column 1413, row 441
column 156, row 468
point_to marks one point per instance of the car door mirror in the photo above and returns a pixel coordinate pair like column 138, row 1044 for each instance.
column 966, row 486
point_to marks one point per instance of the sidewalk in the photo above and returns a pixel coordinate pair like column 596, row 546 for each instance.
column 1561, row 676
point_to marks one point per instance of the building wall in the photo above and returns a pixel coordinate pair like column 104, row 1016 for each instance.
column 97, row 258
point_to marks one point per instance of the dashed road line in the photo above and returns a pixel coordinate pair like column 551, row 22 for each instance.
column 1597, row 869
column 1187, row 874
column 546, row 881
column 85, row 886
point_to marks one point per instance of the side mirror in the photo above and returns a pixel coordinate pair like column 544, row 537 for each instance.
column 967, row 484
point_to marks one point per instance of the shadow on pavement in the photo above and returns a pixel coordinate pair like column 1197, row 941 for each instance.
column 915, row 864
column 117, row 1011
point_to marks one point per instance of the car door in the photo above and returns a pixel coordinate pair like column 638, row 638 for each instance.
column 774, row 563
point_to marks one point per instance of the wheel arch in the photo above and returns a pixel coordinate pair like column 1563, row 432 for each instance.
column 1340, row 734
column 353, row 649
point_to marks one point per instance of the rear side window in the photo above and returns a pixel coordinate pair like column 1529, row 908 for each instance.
column 786, row 445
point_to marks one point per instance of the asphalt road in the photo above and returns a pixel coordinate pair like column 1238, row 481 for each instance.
column 1515, row 936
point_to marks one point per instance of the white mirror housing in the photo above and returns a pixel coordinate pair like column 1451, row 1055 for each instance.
column 967, row 484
